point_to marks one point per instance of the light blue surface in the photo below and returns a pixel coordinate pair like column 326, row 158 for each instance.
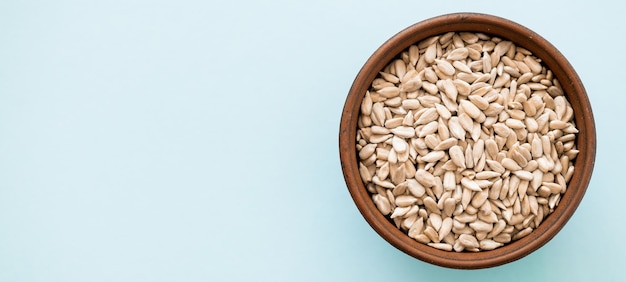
column 198, row 140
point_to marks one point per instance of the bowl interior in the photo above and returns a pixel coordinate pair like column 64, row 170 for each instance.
column 574, row 91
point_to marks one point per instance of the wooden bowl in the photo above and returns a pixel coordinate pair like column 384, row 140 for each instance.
column 574, row 91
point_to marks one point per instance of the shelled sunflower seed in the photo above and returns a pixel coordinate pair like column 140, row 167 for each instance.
column 466, row 142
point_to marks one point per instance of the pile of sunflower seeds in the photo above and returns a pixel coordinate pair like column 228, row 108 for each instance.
column 466, row 141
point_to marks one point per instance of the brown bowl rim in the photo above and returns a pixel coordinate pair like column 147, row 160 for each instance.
column 574, row 91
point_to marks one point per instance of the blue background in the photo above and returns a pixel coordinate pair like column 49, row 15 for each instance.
column 198, row 140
